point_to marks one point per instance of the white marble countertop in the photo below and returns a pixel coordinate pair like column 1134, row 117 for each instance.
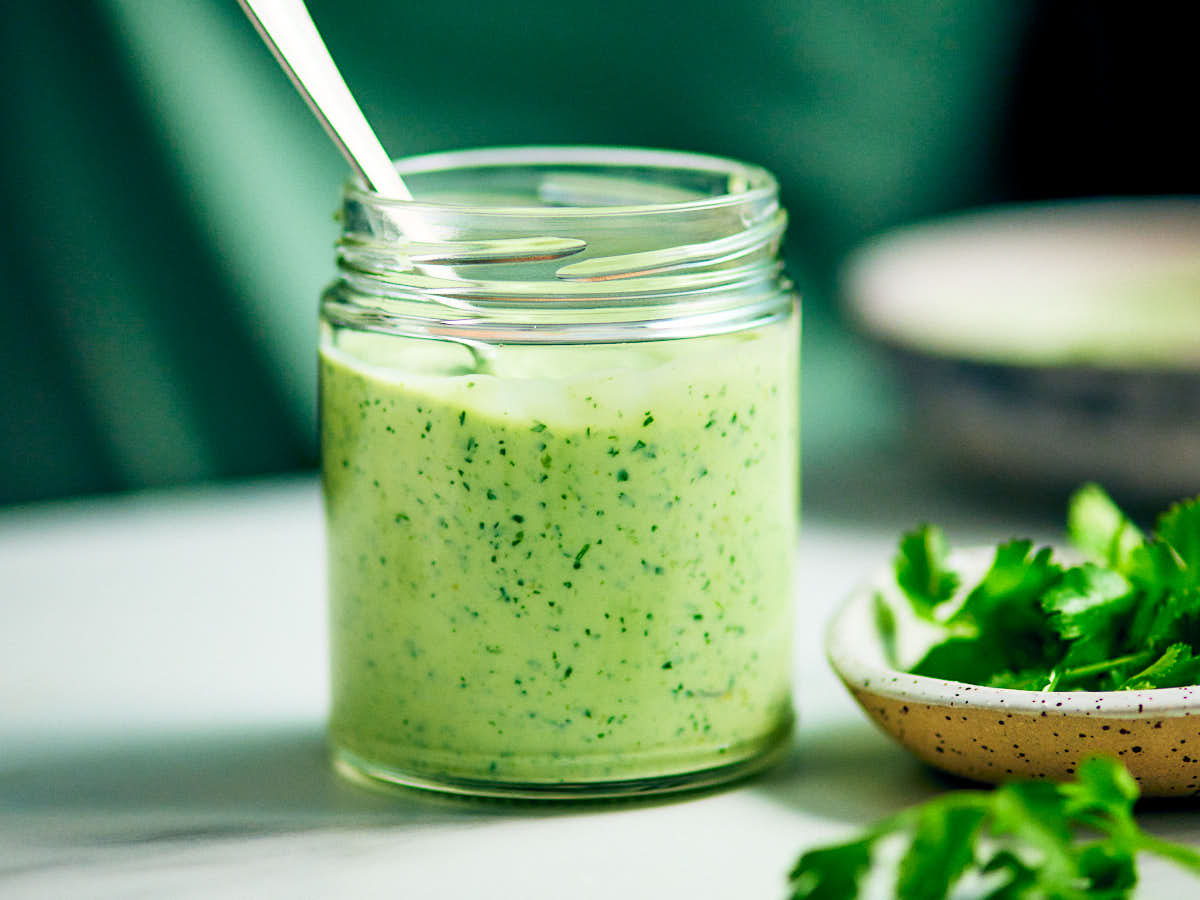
column 162, row 694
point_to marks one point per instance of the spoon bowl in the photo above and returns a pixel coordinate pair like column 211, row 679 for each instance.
column 999, row 734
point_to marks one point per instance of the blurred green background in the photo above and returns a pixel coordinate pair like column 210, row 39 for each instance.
column 169, row 196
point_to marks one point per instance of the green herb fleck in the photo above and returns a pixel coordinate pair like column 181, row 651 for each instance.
column 580, row 555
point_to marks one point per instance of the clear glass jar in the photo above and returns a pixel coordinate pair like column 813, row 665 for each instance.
column 559, row 438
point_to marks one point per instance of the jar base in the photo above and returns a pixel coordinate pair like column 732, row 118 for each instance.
column 378, row 777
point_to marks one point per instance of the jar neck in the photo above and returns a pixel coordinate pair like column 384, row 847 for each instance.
column 564, row 244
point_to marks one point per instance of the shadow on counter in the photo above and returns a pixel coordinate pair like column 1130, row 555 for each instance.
column 848, row 773
column 198, row 786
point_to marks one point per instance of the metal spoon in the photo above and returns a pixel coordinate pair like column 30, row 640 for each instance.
column 286, row 27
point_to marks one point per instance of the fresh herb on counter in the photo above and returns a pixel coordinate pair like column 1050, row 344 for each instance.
column 1021, row 841
column 1128, row 619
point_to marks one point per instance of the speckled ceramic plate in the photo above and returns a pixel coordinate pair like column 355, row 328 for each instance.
column 994, row 734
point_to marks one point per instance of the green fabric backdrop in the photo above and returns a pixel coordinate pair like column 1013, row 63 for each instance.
column 169, row 196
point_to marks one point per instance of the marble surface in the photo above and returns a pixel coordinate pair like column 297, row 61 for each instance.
column 162, row 691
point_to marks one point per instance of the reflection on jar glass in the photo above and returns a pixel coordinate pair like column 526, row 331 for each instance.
column 559, row 438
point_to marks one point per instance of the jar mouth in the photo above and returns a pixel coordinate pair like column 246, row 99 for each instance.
column 716, row 181
column 565, row 243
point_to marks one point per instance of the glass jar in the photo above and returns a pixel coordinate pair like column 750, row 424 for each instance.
column 559, row 439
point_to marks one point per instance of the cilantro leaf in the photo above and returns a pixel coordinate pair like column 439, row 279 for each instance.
column 1099, row 529
column 942, row 849
column 1021, row 876
column 832, row 873
column 1171, row 619
column 999, row 627
column 885, row 626
column 1102, row 799
column 1036, row 679
column 1086, row 600
column 970, row 659
column 1176, row 667
column 1003, row 618
column 1110, row 871
column 1179, row 527
column 1020, row 841
column 921, row 569
column 1031, row 814
column 1101, row 786
column 1157, row 569
column 1012, row 584
column 1165, row 606
column 1089, row 610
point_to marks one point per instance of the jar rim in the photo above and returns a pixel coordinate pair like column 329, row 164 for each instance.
column 758, row 182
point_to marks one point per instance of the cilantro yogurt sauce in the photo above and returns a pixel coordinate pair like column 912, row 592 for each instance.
column 562, row 565
column 559, row 432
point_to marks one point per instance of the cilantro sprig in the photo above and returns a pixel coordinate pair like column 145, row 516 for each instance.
column 1126, row 619
column 1024, row 840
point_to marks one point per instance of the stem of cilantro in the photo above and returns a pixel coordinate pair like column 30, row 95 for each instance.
column 1184, row 856
column 1105, row 665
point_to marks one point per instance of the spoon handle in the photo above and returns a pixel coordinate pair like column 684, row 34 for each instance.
column 288, row 30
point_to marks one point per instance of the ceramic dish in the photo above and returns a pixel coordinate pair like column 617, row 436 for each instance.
column 994, row 734
column 1046, row 345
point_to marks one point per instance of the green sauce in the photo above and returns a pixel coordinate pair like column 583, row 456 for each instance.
column 573, row 568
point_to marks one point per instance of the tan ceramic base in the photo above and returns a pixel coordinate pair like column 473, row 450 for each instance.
column 993, row 746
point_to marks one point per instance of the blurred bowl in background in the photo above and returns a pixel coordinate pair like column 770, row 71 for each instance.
column 1045, row 345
